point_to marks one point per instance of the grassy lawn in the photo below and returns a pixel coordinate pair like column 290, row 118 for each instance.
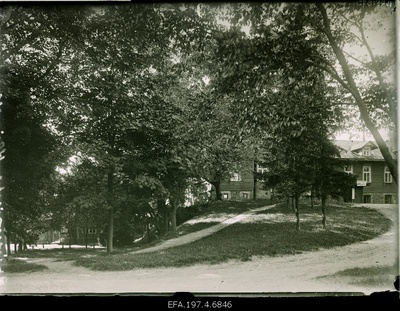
column 267, row 233
column 189, row 228
column 204, row 219
column 370, row 276
column 271, row 233
column 20, row 266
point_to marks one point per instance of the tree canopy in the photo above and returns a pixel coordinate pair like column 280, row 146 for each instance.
column 108, row 120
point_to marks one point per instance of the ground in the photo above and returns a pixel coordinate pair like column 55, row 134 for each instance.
column 309, row 272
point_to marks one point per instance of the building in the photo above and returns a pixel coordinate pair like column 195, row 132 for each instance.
column 243, row 186
column 375, row 184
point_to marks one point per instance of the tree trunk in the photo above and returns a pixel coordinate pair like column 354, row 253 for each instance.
column 296, row 204
column 174, row 208
column 86, row 237
column 110, row 190
column 312, row 197
column 217, row 186
column 293, row 204
column 163, row 210
column 287, row 202
column 323, row 210
column 8, row 237
column 255, row 182
column 110, row 233
column 352, row 88
column 166, row 219
column 148, row 232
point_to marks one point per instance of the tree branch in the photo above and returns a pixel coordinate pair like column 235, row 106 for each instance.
column 352, row 87
column 53, row 63
column 355, row 58
column 393, row 114
column 333, row 74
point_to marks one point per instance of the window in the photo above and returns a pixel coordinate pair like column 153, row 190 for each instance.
column 367, row 198
column 89, row 231
column 388, row 199
column 262, row 170
column 246, row 195
column 387, row 177
column 226, row 195
column 367, row 174
column 348, row 169
column 235, row 177
column 366, row 151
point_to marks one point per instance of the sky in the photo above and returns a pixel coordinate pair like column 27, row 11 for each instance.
column 382, row 41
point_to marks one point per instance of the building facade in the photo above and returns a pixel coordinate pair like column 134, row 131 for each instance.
column 243, row 186
column 363, row 159
column 375, row 184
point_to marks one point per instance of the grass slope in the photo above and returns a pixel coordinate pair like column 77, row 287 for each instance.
column 270, row 233
column 20, row 266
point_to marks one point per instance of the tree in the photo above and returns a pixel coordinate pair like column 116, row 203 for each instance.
column 323, row 36
column 117, row 78
column 349, row 82
column 216, row 147
column 33, row 44
column 329, row 180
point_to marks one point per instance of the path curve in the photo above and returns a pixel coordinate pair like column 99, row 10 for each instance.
column 289, row 274
column 194, row 236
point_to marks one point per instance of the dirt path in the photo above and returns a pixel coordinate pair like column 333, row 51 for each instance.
column 308, row 272
column 194, row 236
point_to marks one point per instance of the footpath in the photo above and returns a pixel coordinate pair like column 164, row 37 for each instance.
column 194, row 236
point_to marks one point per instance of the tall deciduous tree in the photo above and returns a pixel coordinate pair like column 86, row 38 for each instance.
column 32, row 46
column 329, row 37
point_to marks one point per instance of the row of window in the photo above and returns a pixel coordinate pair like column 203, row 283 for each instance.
column 367, row 173
column 226, row 195
column 237, row 177
column 387, row 198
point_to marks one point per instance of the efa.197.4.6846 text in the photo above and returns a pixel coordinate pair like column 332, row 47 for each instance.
column 199, row 304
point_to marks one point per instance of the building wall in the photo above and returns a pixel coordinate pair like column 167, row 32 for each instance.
column 81, row 237
column 244, row 189
column 377, row 189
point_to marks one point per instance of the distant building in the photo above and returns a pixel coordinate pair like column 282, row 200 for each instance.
column 375, row 184
column 243, row 186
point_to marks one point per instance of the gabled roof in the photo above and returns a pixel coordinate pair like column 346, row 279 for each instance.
column 348, row 150
column 362, row 144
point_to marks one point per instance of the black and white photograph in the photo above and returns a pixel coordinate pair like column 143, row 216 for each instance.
column 219, row 149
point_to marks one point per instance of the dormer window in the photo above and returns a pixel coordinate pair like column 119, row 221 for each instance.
column 366, row 151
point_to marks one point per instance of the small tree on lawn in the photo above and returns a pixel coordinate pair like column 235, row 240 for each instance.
column 329, row 180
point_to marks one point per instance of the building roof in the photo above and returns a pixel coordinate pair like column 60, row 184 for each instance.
column 362, row 144
column 351, row 150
